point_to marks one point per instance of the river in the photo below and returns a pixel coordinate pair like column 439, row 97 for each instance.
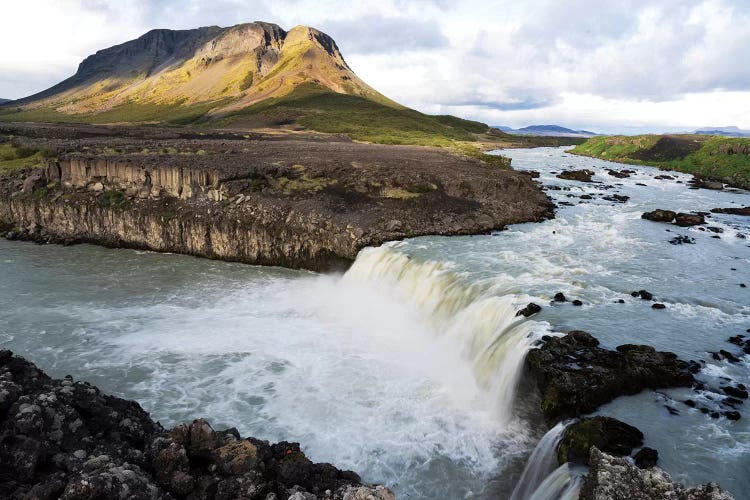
column 408, row 368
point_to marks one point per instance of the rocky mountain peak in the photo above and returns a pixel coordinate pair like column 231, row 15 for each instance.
column 235, row 66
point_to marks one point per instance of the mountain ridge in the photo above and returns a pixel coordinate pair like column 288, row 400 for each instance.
column 730, row 131
column 546, row 130
column 232, row 67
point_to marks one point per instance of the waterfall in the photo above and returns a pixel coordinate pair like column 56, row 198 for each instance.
column 485, row 326
column 540, row 464
column 563, row 484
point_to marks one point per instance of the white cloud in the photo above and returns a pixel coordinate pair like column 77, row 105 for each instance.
column 586, row 63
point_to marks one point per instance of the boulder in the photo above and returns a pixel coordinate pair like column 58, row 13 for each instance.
column 33, row 182
column 529, row 310
column 608, row 434
column 622, row 174
column 575, row 375
column 659, row 215
column 646, row 458
column 576, row 175
column 687, row 220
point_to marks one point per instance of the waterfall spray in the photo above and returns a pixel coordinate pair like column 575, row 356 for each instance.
column 485, row 326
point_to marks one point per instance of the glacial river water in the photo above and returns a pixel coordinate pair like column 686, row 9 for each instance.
column 408, row 368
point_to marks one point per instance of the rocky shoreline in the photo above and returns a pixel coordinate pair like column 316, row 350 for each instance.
column 288, row 200
column 575, row 376
column 65, row 439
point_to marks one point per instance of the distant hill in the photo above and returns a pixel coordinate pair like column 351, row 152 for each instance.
column 2, row 101
column 724, row 131
column 253, row 75
column 547, row 130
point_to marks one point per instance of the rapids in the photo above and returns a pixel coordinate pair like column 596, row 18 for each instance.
column 408, row 368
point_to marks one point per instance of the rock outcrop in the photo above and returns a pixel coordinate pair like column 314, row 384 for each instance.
column 293, row 201
column 575, row 376
column 65, row 439
column 576, row 175
column 607, row 434
column 732, row 211
column 615, row 478
column 677, row 218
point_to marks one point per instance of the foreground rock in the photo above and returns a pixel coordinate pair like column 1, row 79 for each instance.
column 65, row 439
column 607, row 434
column 613, row 477
column 575, row 376
column 290, row 200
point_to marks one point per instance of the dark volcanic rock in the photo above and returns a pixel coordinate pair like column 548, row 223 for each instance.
column 529, row 310
column 616, row 478
column 687, row 220
column 620, row 175
column 608, row 434
column 680, row 219
column 617, row 198
column 65, row 439
column 659, row 215
column 576, row 175
column 732, row 211
column 559, row 297
column 682, row 239
column 644, row 294
column 575, row 376
column 646, row 458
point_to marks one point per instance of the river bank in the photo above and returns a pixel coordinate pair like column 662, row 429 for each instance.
column 290, row 200
column 714, row 161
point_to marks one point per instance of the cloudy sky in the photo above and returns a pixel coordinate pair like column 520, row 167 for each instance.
column 624, row 66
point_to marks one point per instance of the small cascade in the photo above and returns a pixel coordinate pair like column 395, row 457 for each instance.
column 484, row 325
column 563, row 484
column 541, row 463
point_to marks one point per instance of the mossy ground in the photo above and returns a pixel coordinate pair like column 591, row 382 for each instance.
column 13, row 156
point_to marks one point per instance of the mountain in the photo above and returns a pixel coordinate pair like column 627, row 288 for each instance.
column 3, row 101
column 251, row 75
column 546, row 130
column 725, row 131
column 243, row 64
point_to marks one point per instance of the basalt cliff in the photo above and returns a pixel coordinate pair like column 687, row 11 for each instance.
column 294, row 201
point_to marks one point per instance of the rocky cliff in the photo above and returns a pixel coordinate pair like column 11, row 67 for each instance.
column 287, row 201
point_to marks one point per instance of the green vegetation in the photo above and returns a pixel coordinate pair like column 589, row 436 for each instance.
column 247, row 82
column 615, row 148
column 13, row 156
column 722, row 158
column 316, row 108
column 176, row 113
column 111, row 199
column 304, row 183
